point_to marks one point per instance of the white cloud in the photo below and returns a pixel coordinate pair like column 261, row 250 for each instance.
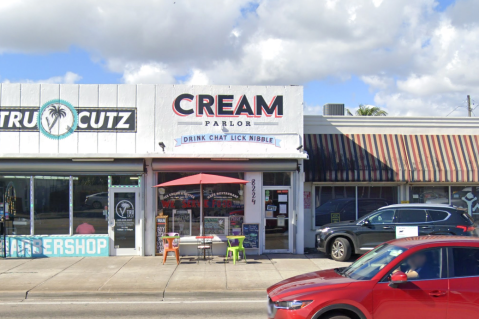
column 152, row 73
column 415, row 60
column 198, row 78
column 68, row 78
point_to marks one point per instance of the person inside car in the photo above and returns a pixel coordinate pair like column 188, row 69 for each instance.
column 420, row 267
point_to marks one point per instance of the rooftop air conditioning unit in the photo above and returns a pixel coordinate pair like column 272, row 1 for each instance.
column 333, row 109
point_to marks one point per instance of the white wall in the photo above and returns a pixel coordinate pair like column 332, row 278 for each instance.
column 317, row 124
column 156, row 122
column 253, row 211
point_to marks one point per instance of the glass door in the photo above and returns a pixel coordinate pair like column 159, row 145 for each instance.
column 123, row 221
column 276, row 220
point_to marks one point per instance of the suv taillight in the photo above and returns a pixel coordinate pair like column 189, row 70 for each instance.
column 466, row 228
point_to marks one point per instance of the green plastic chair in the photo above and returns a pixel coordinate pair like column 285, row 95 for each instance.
column 235, row 250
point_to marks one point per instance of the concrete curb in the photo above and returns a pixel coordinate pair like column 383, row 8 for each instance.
column 142, row 295
column 13, row 295
column 215, row 295
column 91, row 295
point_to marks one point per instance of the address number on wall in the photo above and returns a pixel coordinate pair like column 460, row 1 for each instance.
column 253, row 191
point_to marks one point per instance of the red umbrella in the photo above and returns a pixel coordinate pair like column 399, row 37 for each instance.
column 201, row 179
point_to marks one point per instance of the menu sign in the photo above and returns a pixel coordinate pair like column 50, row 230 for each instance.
column 236, row 222
column 251, row 233
column 216, row 225
column 161, row 230
column 182, row 222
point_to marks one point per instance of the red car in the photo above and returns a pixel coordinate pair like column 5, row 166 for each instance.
column 433, row 277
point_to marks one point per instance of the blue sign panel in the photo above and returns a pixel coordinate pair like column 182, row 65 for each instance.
column 57, row 246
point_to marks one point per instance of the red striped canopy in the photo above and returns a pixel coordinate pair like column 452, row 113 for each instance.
column 443, row 158
column 355, row 157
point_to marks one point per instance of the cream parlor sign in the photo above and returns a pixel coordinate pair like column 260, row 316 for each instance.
column 228, row 112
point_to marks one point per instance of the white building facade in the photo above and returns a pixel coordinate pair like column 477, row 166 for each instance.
column 79, row 162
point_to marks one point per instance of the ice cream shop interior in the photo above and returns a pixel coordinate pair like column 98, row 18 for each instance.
column 81, row 168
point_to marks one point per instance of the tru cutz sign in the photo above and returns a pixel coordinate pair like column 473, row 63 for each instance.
column 58, row 119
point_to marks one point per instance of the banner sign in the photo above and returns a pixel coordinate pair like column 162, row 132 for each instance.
column 56, row 246
column 58, row 119
column 238, row 138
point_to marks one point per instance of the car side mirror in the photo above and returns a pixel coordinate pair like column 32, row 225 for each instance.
column 397, row 278
column 367, row 223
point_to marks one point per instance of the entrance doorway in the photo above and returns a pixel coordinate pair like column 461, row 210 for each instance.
column 276, row 213
column 124, row 215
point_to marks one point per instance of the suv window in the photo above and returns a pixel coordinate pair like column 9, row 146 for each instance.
column 383, row 217
column 437, row 215
column 466, row 262
column 411, row 216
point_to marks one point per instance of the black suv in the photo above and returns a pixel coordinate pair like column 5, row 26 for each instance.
column 341, row 239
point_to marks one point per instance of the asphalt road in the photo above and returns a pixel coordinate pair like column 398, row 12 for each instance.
column 134, row 309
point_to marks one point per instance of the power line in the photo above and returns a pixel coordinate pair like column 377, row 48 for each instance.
column 453, row 110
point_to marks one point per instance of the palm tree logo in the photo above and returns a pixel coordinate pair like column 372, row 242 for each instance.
column 123, row 207
column 56, row 112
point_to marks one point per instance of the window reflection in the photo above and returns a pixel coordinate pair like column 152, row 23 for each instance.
column 339, row 203
column 90, row 205
column 15, row 203
column 51, row 205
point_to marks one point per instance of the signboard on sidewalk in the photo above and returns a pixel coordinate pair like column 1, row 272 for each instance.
column 161, row 230
column 251, row 233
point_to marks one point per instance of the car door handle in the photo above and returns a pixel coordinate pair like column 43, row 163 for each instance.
column 426, row 227
column 387, row 227
column 437, row 293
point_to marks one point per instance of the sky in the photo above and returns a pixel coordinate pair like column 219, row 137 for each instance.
column 409, row 57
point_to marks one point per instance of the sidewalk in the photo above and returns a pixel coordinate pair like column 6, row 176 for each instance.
column 146, row 277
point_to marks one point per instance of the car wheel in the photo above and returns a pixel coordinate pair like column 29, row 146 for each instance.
column 96, row 205
column 335, row 316
column 340, row 249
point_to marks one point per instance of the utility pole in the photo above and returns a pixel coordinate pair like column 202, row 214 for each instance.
column 469, row 110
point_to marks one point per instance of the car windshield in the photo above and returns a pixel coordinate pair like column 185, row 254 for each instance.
column 370, row 264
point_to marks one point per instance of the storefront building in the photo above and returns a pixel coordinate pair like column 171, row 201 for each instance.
column 358, row 164
column 79, row 162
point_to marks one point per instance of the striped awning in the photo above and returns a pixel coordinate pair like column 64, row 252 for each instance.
column 355, row 157
column 443, row 158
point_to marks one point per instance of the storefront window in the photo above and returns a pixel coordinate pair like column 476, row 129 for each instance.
column 181, row 204
column 277, row 179
column 15, row 203
column 90, row 205
column 373, row 197
column 125, row 180
column 466, row 197
column 429, row 194
column 338, row 203
column 51, row 195
column 223, row 206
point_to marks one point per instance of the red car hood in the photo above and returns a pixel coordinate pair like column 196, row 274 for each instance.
column 309, row 282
